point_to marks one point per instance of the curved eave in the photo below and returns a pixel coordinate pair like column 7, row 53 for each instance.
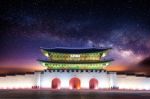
column 60, row 65
column 75, row 50
column 77, row 62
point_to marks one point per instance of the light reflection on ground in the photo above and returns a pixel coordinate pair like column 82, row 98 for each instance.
column 73, row 94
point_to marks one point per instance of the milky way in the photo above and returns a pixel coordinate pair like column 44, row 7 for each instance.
column 28, row 25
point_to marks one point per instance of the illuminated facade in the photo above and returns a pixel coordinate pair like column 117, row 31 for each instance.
column 75, row 69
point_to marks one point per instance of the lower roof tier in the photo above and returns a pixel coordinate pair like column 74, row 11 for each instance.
column 55, row 65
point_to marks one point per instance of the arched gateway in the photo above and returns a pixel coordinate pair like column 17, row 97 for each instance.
column 75, row 83
column 55, row 83
column 93, row 83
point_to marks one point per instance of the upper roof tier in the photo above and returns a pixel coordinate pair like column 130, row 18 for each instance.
column 75, row 50
column 75, row 54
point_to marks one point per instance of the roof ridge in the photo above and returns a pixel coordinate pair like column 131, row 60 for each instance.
column 80, row 47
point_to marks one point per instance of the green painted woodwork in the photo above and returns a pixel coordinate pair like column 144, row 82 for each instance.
column 96, row 56
column 100, row 65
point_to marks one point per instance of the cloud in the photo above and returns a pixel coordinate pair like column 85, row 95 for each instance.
column 125, row 57
column 145, row 62
column 90, row 43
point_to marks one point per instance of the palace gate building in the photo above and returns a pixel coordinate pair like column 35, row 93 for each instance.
column 75, row 68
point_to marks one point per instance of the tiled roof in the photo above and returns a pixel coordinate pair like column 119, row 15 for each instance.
column 75, row 50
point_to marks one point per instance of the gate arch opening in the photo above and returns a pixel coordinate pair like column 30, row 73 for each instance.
column 93, row 83
column 75, row 83
column 56, row 83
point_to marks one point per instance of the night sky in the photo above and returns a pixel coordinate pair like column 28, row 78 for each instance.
column 27, row 25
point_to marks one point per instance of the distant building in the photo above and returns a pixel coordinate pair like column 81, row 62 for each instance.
column 75, row 69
